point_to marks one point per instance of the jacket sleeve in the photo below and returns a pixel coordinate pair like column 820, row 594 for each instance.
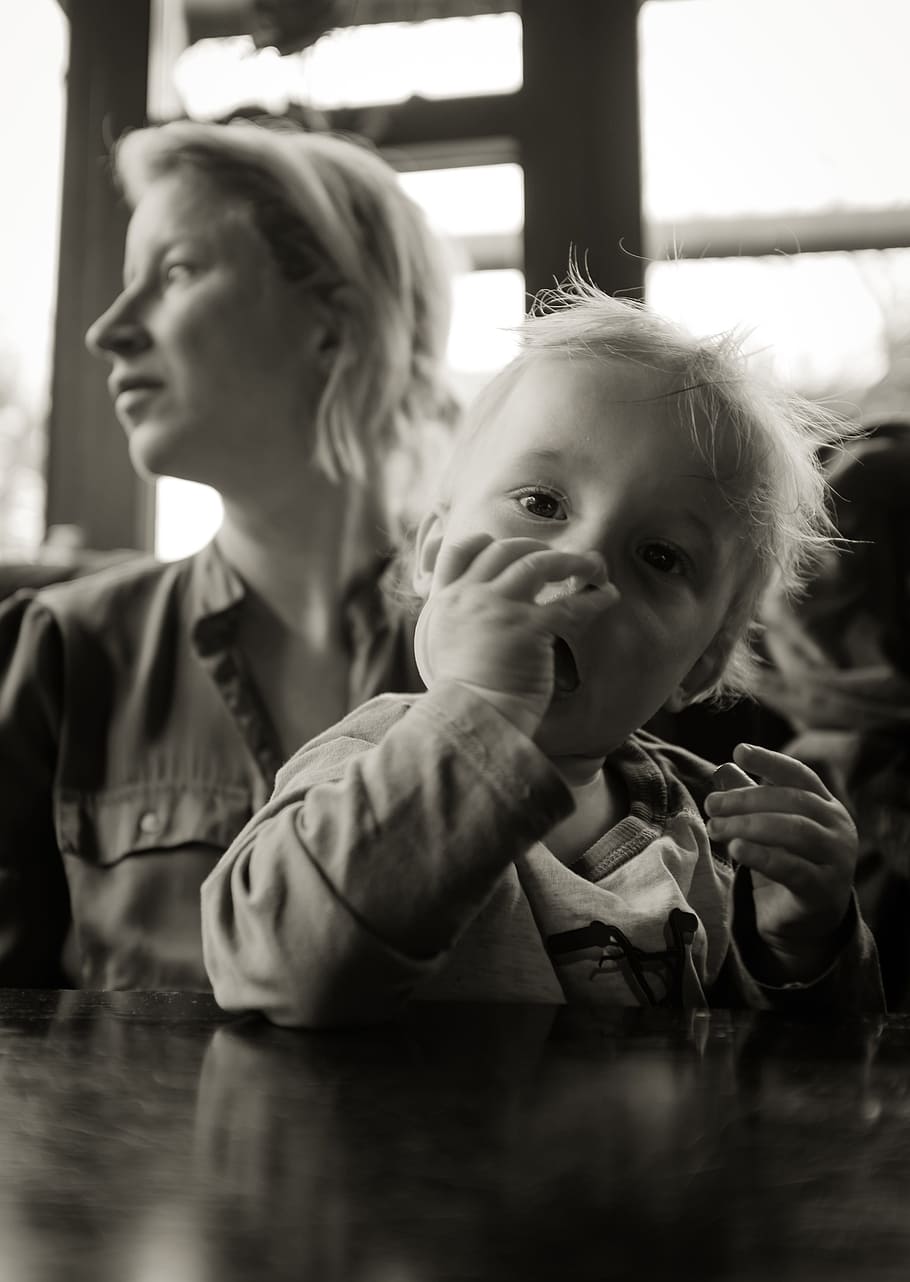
column 851, row 985
column 383, row 839
column 34, row 902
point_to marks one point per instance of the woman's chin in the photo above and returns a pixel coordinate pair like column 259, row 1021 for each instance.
column 153, row 455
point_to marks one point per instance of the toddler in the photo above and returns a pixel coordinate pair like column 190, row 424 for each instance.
column 620, row 498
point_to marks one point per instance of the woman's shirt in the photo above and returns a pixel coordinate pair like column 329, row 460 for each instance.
column 133, row 748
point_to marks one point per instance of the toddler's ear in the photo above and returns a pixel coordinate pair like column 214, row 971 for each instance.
column 427, row 543
column 677, row 700
column 702, row 675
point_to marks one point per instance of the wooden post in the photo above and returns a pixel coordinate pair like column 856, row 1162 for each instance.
column 90, row 481
column 579, row 142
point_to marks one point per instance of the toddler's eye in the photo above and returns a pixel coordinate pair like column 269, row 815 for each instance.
column 542, row 504
column 178, row 271
column 665, row 558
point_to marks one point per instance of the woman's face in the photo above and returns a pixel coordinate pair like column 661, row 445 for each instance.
column 215, row 358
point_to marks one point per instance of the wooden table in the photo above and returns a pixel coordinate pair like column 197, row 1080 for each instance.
column 145, row 1137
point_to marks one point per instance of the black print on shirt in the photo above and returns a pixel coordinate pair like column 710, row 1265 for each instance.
column 655, row 979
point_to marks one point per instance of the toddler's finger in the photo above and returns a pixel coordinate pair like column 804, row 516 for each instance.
column 778, row 768
column 730, row 776
column 498, row 556
column 455, row 558
column 797, row 874
column 794, row 833
column 525, row 577
column 768, row 799
column 560, row 589
column 570, row 613
column 421, row 644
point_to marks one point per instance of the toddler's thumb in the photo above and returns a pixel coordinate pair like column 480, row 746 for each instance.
column 730, row 775
column 421, row 648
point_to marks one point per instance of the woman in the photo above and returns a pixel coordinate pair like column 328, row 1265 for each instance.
column 280, row 337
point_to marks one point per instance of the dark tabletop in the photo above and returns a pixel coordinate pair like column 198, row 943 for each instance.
column 145, row 1137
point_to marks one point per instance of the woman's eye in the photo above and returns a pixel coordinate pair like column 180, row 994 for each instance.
column 540, row 503
column 664, row 558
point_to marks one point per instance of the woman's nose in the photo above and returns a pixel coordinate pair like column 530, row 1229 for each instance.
column 119, row 331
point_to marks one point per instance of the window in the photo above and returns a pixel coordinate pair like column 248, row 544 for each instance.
column 762, row 106
column 479, row 211
column 789, row 208
column 355, row 66
column 32, row 109
column 828, row 324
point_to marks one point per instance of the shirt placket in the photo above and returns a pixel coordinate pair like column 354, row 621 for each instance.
column 224, row 663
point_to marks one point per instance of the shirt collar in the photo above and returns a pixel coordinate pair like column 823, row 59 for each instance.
column 217, row 594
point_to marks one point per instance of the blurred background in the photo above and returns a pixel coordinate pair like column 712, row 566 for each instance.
column 736, row 162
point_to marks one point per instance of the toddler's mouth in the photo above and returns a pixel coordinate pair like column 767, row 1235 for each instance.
column 565, row 671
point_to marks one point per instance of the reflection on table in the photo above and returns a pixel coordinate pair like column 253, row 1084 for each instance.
column 148, row 1138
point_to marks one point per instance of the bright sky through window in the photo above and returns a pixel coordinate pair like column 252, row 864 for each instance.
column 33, row 58
column 765, row 106
column 356, row 66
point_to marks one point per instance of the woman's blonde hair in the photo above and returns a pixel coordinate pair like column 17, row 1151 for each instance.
column 333, row 213
column 762, row 443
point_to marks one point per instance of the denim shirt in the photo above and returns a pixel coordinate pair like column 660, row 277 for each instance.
column 133, row 748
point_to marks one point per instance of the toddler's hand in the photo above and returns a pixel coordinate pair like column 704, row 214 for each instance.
column 483, row 628
column 801, row 846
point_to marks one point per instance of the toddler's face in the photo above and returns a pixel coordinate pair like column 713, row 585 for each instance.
column 585, row 455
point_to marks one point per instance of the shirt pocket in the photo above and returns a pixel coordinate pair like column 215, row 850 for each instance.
column 112, row 824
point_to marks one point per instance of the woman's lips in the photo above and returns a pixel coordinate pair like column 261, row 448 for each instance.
column 131, row 399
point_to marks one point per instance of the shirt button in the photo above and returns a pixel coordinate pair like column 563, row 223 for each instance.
column 149, row 822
